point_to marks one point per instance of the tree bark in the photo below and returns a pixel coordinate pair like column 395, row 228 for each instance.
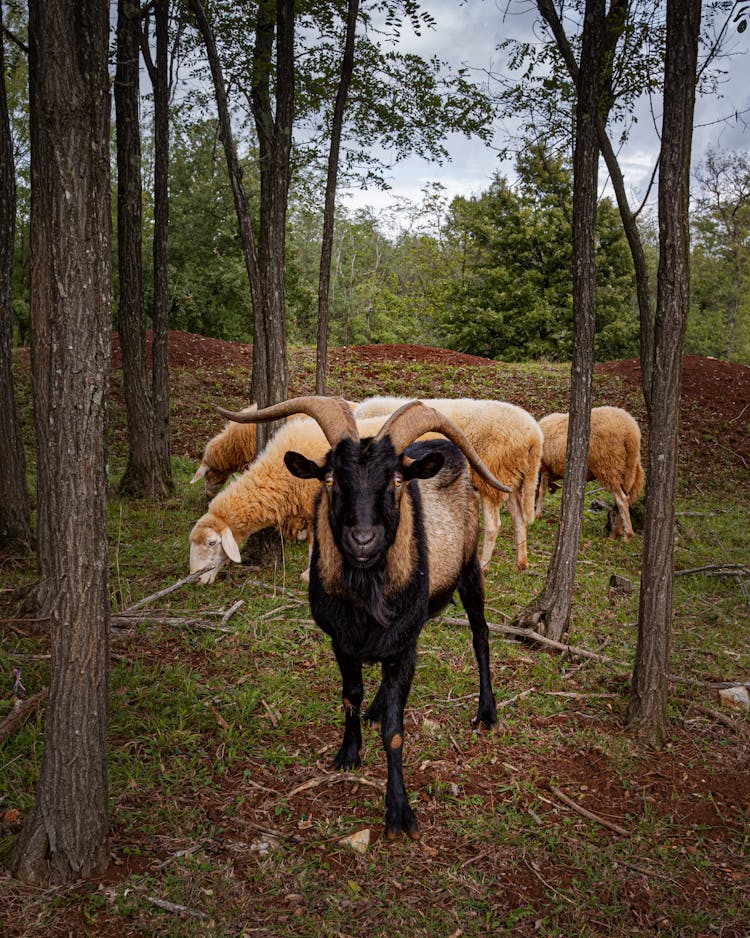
column 143, row 476
column 270, row 367
column 160, row 312
column 550, row 613
column 647, row 710
column 324, row 279
column 15, row 508
column 65, row 834
column 614, row 27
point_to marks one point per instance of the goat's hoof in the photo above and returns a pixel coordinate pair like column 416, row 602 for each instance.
column 522, row 565
column 346, row 762
column 406, row 824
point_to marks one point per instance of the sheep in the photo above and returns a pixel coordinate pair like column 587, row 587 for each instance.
column 395, row 533
column 231, row 450
column 509, row 441
column 265, row 495
column 614, row 459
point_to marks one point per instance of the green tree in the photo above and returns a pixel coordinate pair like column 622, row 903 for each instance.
column 719, row 322
column 514, row 296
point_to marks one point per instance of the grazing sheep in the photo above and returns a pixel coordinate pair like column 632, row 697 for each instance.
column 231, row 450
column 614, row 459
column 395, row 533
column 265, row 495
column 509, row 442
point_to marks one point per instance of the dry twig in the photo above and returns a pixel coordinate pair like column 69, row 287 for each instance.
column 18, row 715
column 584, row 812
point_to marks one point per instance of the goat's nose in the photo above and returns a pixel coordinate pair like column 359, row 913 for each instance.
column 363, row 536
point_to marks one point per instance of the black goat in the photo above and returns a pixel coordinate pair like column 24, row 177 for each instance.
column 396, row 528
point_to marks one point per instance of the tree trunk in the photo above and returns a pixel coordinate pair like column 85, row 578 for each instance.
column 270, row 368
column 550, row 613
column 143, row 477
column 616, row 22
column 15, row 510
column 65, row 835
column 647, row 711
column 324, row 280
column 160, row 313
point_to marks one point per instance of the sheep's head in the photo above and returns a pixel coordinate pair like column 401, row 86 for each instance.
column 211, row 545
column 363, row 479
column 213, row 478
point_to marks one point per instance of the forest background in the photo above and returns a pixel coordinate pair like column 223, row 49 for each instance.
column 487, row 274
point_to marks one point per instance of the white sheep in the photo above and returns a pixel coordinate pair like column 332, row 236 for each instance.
column 265, row 495
column 509, row 442
column 614, row 459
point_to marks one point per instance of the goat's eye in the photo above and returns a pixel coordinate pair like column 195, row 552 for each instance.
column 329, row 480
column 212, row 541
column 397, row 481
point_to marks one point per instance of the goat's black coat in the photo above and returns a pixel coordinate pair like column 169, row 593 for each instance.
column 368, row 621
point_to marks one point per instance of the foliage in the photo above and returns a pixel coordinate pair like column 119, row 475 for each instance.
column 514, row 298
column 720, row 315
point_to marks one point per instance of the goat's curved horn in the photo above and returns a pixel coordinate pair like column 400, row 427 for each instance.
column 333, row 415
column 413, row 419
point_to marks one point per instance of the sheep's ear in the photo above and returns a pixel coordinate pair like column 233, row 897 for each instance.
column 230, row 545
column 302, row 467
column 424, row 468
column 200, row 472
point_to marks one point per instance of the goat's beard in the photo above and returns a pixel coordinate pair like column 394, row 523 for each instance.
column 366, row 589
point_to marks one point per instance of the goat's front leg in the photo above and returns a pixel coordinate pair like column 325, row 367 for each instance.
column 471, row 591
column 397, row 676
column 351, row 693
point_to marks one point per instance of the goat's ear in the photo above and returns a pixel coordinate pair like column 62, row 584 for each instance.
column 302, row 467
column 424, row 468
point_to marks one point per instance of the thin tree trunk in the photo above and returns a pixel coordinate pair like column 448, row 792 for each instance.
column 143, row 476
column 647, row 711
column 65, row 837
column 550, row 614
column 160, row 314
column 15, row 509
column 270, row 368
column 324, row 279
column 615, row 27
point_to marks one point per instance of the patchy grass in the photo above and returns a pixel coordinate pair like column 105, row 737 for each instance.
column 225, row 814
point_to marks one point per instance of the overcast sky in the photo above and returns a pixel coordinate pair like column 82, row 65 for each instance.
column 468, row 33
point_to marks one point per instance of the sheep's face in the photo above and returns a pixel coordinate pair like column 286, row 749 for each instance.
column 363, row 483
column 213, row 478
column 211, row 548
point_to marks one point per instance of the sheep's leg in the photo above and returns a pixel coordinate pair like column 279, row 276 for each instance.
column 515, row 507
column 624, row 524
column 397, row 676
column 351, row 693
column 544, row 478
column 471, row 591
column 491, row 524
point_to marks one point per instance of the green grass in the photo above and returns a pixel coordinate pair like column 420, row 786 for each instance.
column 222, row 796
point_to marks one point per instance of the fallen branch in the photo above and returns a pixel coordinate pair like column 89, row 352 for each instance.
column 332, row 778
column 714, row 714
column 19, row 714
column 177, row 622
column 174, row 907
column 584, row 812
column 717, row 569
column 531, row 635
column 190, row 578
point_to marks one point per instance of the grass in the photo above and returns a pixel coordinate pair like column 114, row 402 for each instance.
column 223, row 802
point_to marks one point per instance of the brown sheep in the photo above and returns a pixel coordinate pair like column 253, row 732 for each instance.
column 614, row 459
